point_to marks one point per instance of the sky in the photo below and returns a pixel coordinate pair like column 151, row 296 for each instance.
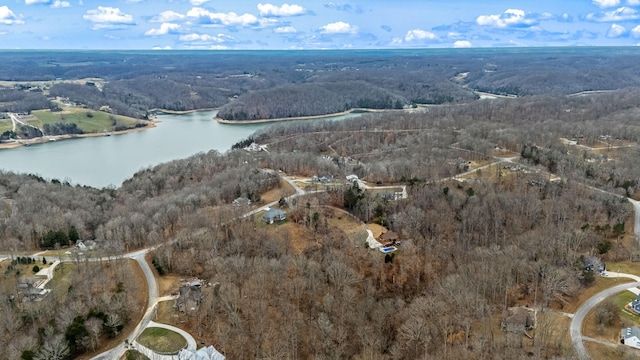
column 325, row 24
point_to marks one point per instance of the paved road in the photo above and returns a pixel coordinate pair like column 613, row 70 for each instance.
column 576, row 323
column 152, row 287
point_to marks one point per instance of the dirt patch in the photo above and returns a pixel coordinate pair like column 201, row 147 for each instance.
column 167, row 284
column 377, row 230
column 275, row 194
column 599, row 351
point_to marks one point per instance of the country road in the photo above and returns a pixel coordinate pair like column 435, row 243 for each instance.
column 575, row 329
column 578, row 318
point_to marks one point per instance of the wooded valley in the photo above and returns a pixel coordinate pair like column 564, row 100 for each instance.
column 511, row 234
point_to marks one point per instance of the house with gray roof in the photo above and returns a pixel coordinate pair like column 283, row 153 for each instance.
column 205, row 353
column 635, row 305
column 631, row 337
column 273, row 215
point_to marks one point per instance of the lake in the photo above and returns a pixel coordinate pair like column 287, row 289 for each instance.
column 109, row 160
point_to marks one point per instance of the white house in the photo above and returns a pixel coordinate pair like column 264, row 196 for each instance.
column 631, row 337
column 205, row 353
column 352, row 178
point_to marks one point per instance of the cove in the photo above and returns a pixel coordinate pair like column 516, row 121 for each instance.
column 109, row 160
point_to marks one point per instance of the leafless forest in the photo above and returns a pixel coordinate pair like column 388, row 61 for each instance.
column 470, row 249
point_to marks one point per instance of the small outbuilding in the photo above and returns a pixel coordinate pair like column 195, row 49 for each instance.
column 273, row 215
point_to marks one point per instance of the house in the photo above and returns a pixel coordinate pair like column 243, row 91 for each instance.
column 352, row 178
column 241, row 202
column 631, row 337
column 32, row 289
column 205, row 353
column 389, row 238
column 517, row 320
column 190, row 296
column 593, row 263
column 323, row 178
column 273, row 215
column 635, row 305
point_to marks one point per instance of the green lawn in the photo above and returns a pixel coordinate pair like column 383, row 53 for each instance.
column 98, row 121
column 5, row 125
column 623, row 299
column 162, row 340
column 624, row 267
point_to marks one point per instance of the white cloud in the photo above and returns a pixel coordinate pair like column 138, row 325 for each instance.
column 284, row 10
column 105, row 17
column 462, row 44
column 285, row 30
column 620, row 14
column 339, row 27
column 60, row 4
column 616, row 31
column 606, row 3
column 228, row 19
column 633, row 2
column 34, row 2
column 168, row 16
column 510, row 18
column 205, row 38
column 417, row 34
column 165, row 28
column 8, row 17
column 635, row 32
column 198, row 2
column 161, row 48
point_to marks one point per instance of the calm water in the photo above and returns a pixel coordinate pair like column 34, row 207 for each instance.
column 104, row 161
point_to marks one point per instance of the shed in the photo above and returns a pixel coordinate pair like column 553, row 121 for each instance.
column 273, row 215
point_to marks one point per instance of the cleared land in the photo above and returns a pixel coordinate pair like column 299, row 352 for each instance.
column 162, row 340
column 89, row 121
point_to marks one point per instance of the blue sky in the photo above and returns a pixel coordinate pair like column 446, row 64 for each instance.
column 328, row 24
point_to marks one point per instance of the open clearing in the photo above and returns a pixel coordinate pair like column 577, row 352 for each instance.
column 89, row 121
column 162, row 340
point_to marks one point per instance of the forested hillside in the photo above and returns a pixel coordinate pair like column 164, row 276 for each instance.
column 253, row 85
column 470, row 248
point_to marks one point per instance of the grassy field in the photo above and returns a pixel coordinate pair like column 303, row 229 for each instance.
column 162, row 340
column 621, row 300
column 97, row 121
column 5, row 125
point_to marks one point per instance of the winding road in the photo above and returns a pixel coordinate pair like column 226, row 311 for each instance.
column 576, row 323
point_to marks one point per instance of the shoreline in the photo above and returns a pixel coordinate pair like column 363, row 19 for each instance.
column 176, row 112
column 42, row 140
column 310, row 117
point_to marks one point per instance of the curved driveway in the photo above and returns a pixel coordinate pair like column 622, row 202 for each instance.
column 576, row 323
column 584, row 309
